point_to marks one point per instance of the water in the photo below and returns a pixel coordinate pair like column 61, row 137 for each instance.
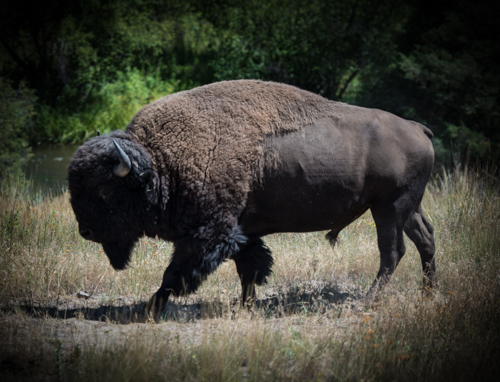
column 48, row 168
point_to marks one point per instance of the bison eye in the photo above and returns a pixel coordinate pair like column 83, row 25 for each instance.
column 105, row 193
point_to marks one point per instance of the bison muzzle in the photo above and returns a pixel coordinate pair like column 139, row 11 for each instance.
column 216, row 168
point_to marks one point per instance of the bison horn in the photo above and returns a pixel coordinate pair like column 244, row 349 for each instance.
column 123, row 168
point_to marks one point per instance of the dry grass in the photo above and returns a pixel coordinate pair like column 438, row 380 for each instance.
column 306, row 327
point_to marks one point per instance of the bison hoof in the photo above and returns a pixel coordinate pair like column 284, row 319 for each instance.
column 154, row 307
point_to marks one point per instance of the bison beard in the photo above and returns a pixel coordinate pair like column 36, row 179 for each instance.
column 216, row 168
column 119, row 253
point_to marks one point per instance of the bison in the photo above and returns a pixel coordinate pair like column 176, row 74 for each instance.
column 216, row 168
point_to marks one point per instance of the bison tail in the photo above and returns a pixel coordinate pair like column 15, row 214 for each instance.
column 428, row 132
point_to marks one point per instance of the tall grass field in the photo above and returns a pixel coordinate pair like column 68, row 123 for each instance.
column 66, row 315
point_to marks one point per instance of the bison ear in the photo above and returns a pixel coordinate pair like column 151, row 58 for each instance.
column 151, row 182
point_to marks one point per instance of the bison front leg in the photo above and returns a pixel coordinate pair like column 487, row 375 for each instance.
column 173, row 283
column 190, row 265
column 192, row 261
column 253, row 264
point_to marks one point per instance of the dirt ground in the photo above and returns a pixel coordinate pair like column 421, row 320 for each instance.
column 75, row 320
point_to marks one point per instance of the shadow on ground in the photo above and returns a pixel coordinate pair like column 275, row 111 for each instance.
column 279, row 304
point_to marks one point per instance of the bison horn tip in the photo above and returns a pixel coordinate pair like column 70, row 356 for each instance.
column 123, row 168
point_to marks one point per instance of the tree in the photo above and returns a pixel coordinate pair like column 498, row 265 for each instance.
column 446, row 74
column 16, row 113
column 316, row 45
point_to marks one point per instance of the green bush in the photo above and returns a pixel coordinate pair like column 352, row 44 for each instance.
column 111, row 108
column 17, row 109
column 469, row 143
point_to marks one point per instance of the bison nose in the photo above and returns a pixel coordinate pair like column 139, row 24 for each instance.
column 86, row 233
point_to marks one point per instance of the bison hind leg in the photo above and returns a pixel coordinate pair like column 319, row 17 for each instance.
column 389, row 220
column 253, row 264
column 421, row 232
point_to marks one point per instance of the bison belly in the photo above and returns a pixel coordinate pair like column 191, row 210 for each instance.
column 308, row 180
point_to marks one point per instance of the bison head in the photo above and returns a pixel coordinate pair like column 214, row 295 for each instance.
column 114, row 190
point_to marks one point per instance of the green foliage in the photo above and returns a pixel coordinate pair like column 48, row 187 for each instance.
column 319, row 46
column 444, row 73
column 432, row 62
column 16, row 113
column 111, row 108
column 468, row 143
column 94, row 64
